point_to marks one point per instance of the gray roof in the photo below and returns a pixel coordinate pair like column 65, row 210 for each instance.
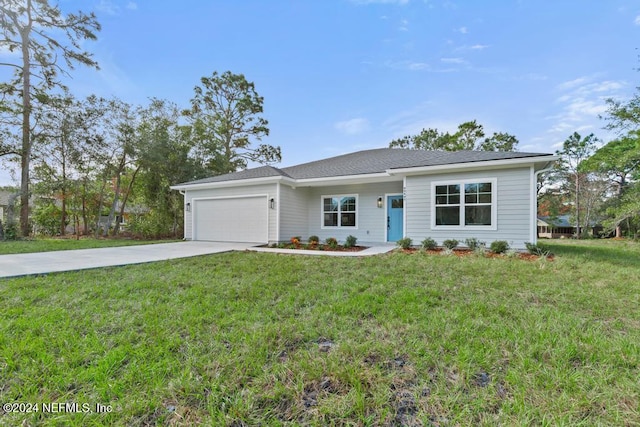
column 562, row 221
column 373, row 161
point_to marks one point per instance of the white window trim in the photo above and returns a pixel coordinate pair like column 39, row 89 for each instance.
column 338, row 227
column 462, row 183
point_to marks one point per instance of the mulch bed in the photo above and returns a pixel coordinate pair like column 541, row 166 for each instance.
column 324, row 248
column 467, row 252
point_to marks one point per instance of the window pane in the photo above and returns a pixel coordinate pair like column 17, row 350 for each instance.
column 448, row 215
column 399, row 203
column 348, row 204
column 477, row 215
column 454, row 189
column 330, row 219
column 441, row 189
column 471, row 188
column 441, row 200
column 454, row 200
column 348, row 220
column 330, row 204
column 484, row 187
column 470, row 198
column 485, row 198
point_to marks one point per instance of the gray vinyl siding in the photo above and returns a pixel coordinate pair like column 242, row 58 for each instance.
column 294, row 209
column 269, row 189
column 513, row 198
column 371, row 220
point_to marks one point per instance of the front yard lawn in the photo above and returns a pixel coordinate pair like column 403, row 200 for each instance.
column 268, row 339
column 59, row 244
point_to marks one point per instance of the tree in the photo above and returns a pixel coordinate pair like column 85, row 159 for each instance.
column 575, row 150
column 619, row 160
column 34, row 28
column 164, row 147
column 225, row 117
column 119, row 127
column 470, row 136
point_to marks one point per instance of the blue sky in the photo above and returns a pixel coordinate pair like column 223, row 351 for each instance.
column 344, row 75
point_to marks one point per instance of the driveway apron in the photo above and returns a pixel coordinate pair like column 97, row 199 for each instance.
column 81, row 259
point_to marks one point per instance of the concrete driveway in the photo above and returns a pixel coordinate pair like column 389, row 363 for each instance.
column 80, row 259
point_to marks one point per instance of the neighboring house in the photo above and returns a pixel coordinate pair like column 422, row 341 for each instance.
column 379, row 195
column 562, row 227
column 5, row 195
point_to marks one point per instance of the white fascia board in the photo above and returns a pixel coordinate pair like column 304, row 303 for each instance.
column 479, row 165
column 235, row 183
column 347, row 179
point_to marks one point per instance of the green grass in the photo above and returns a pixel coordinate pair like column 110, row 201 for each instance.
column 266, row 339
column 48, row 245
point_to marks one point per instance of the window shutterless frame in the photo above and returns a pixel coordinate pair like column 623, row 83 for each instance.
column 339, row 211
column 469, row 204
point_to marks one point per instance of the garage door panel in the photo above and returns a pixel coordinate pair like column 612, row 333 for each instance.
column 241, row 219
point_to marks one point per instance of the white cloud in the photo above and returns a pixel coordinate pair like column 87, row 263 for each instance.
column 453, row 60
column 111, row 7
column 404, row 25
column 479, row 46
column 407, row 65
column 462, row 30
column 637, row 20
column 573, row 83
column 581, row 104
column 108, row 7
column 353, row 126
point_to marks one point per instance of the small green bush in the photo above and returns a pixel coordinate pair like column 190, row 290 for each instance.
column 473, row 243
column 350, row 241
column 331, row 242
column 10, row 231
column 450, row 243
column 314, row 240
column 499, row 246
column 404, row 243
column 537, row 249
column 429, row 244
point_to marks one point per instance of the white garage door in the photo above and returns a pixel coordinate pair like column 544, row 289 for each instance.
column 239, row 219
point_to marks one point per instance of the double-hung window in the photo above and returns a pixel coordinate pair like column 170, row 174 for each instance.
column 464, row 204
column 339, row 211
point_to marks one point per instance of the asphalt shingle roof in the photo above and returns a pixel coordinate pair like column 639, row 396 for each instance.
column 368, row 162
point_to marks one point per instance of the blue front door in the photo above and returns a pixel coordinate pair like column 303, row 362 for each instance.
column 395, row 207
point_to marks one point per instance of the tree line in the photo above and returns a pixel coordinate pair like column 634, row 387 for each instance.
column 87, row 160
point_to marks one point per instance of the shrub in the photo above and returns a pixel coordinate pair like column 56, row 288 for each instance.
column 429, row 244
column 331, row 242
column 473, row 243
column 10, row 231
column 350, row 241
column 404, row 243
column 537, row 249
column 313, row 240
column 47, row 219
column 295, row 240
column 480, row 251
column 450, row 243
column 499, row 246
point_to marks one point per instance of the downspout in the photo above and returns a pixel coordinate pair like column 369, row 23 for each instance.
column 534, row 202
column 185, row 211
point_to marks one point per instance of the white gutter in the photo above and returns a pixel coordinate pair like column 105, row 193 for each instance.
column 234, row 183
column 490, row 164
